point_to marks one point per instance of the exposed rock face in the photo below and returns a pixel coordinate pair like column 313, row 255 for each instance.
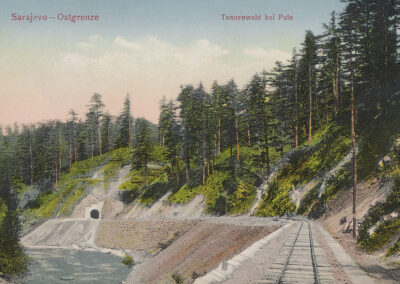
column 29, row 198
column 66, row 233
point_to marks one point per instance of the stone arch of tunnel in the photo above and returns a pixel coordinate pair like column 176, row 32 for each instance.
column 95, row 214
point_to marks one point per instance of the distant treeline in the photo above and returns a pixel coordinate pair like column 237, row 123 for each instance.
column 42, row 151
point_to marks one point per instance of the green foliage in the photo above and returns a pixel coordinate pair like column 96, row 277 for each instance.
column 185, row 194
column 18, row 185
column 73, row 185
column 85, row 168
column 128, row 260
column 159, row 154
column 212, row 190
column 157, row 187
column 14, row 265
column 76, row 195
column 134, row 187
column 13, row 260
column 119, row 158
column 3, row 209
column 386, row 229
column 222, row 191
column 242, row 199
column 70, row 189
column 382, row 235
column 376, row 142
column 343, row 179
column 177, row 278
column 304, row 166
column 308, row 200
column 277, row 200
column 143, row 146
column 394, row 249
column 124, row 135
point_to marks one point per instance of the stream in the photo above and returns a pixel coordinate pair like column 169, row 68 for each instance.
column 74, row 266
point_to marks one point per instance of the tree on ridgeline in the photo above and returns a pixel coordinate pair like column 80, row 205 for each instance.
column 258, row 120
column 352, row 38
column 169, row 130
column 163, row 121
column 331, row 62
column 93, row 119
column 189, row 125
column 106, row 132
column 280, row 102
column 201, row 110
column 293, row 81
column 143, row 146
column 124, row 136
column 72, row 137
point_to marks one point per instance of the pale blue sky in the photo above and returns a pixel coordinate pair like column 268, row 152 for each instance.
column 147, row 48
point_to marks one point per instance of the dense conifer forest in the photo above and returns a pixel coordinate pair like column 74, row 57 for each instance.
column 338, row 93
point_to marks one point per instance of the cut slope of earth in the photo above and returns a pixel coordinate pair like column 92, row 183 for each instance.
column 201, row 250
column 63, row 233
column 368, row 194
column 139, row 234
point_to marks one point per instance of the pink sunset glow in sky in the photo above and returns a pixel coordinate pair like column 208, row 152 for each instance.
column 145, row 48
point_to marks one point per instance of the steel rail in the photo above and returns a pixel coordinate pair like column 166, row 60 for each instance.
column 279, row 280
column 313, row 258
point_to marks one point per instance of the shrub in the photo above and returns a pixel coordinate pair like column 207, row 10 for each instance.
column 177, row 277
column 394, row 249
column 128, row 260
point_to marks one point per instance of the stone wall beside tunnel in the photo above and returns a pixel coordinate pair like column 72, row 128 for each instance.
column 94, row 211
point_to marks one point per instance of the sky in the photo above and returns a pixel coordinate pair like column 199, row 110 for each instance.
column 145, row 48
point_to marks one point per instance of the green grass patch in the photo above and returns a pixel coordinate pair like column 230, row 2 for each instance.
column 382, row 235
column 226, row 189
column 329, row 146
column 128, row 260
column 242, row 199
column 185, row 194
column 52, row 203
column 75, row 196
column 386, row 229
column 158, row 186
column 394, row 249
column 119, row 158
column 213, row 191
column 134, row 187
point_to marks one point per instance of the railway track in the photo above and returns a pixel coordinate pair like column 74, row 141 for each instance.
column 302, row 260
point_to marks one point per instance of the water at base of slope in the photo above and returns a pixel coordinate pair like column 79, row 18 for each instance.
column 74, row 266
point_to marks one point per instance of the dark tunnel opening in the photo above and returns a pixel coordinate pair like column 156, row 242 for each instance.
column 95, row 214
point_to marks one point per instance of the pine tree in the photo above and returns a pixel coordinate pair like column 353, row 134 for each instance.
column 124, row 136
column 93, row 117
column 352, row 70
column 307, row 67
column 72, row 137
column 143, row 147
column 106, row 132
column 12, row 258
column 331, row 62
column 257, row 116
column 169, row 130
column 189, row 124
